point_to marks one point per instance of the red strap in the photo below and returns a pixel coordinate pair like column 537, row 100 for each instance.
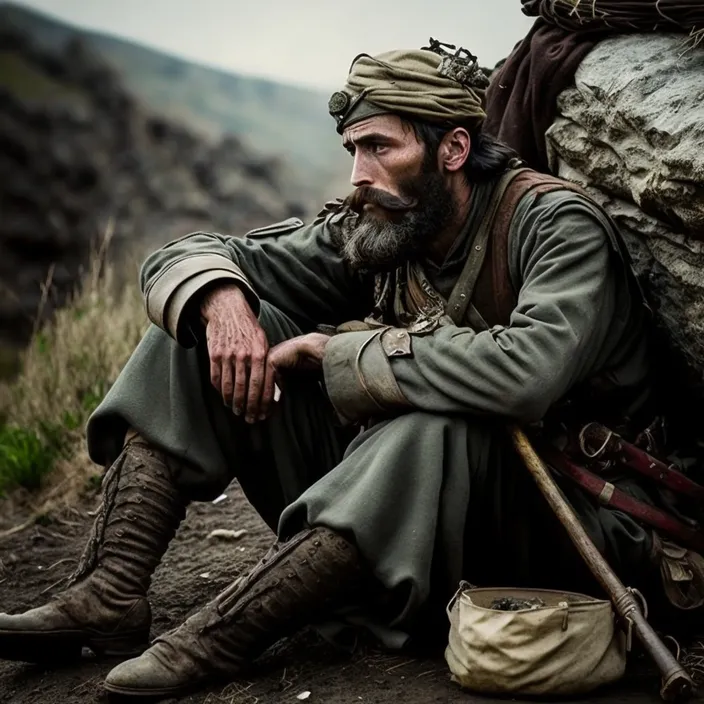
column 611, row 496
column 639, row 460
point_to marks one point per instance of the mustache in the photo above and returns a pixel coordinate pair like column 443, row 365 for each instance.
column 368, row 195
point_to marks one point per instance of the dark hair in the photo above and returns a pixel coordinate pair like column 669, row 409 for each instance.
column 488, row 157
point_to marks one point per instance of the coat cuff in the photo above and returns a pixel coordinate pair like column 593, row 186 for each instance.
column 168, row 299
column 358, row 375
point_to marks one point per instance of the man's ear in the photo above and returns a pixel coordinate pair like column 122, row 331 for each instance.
column 453, row 151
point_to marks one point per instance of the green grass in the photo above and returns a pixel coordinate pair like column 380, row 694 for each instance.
column 65, row 372
column 26, row 456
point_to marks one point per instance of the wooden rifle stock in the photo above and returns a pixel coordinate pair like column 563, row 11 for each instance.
column 676, row 684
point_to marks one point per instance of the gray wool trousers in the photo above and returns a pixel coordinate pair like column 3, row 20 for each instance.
column 429, row 499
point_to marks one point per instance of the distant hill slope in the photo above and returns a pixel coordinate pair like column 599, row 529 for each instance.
column 276, row 119
column 81, row 158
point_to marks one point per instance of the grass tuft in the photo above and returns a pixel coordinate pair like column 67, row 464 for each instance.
column 65, row 371
column 24, row 457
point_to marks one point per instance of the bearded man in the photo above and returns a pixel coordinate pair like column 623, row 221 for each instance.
column 383, row 466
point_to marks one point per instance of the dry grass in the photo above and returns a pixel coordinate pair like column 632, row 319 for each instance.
column 696, row 38
column 693, row 661
column 69, row 365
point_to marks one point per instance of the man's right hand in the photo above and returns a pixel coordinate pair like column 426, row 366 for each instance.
column 238, row 349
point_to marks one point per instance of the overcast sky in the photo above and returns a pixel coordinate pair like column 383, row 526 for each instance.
column 309, row 42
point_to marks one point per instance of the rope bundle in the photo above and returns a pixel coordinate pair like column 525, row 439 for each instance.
column 621, row 15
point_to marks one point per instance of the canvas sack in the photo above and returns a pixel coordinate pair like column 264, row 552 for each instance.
column 570, row 646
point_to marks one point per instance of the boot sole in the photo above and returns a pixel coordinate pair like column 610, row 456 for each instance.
column 62, row 646
column 115, row 692
column 152, row 693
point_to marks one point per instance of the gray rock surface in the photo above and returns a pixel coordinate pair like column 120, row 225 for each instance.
column 632, row 132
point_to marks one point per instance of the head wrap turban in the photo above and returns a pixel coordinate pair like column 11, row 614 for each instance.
column 429, row 84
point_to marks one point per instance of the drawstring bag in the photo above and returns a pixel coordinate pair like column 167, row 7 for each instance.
column 549, row 642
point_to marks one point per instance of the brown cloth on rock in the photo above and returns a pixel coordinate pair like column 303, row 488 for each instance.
column 521, row 101
column 620, row 15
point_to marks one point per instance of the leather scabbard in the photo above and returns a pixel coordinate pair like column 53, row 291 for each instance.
column 612, row 497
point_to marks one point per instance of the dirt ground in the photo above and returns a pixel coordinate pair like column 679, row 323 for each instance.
column 194, row 570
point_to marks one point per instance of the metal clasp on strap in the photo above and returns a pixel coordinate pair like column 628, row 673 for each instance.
column 629, row 622
column 606, row 494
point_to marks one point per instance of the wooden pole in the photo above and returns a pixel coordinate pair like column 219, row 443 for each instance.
column 676, row 684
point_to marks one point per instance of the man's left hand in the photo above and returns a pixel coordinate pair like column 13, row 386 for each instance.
column 304, row 353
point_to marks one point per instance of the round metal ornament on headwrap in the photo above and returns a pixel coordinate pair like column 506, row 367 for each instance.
column 432, row 84
column 338, row 103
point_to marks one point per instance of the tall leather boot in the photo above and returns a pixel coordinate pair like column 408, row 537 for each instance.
column 296, row 583
column 105, row 606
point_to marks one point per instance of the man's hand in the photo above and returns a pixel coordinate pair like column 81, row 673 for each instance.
column 304, row 353
column 238, row 350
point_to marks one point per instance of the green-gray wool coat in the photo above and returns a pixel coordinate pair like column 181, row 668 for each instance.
column 431, row 491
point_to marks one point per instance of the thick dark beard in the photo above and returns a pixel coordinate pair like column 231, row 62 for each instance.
column 375, row 245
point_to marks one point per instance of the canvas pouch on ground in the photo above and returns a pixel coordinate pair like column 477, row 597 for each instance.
column 554, row 643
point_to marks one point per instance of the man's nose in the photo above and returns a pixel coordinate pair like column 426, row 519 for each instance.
column 361, row 175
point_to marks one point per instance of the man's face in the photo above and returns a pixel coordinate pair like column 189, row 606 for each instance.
column 401, row 196
column 385, row 151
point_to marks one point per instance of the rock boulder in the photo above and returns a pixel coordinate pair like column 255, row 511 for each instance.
column 632, row 131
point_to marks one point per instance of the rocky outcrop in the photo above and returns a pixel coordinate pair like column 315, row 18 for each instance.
column 79, row 157
column 632, row 132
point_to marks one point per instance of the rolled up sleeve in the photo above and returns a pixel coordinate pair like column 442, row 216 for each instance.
column 358, row 375
column 169, row 294
column 291, row 266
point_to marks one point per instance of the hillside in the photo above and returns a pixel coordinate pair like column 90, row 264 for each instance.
column 279, row 120
column 80, row 157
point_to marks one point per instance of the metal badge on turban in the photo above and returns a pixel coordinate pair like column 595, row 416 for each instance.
column 341, row 103
column 338, row 103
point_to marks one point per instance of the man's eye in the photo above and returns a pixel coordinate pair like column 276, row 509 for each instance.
column 375, row 148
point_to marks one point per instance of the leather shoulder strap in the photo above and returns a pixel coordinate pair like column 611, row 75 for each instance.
column 463, row 290
column 495, row 297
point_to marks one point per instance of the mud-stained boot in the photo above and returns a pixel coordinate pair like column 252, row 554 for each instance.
column 105, row 606
column 296, row 583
